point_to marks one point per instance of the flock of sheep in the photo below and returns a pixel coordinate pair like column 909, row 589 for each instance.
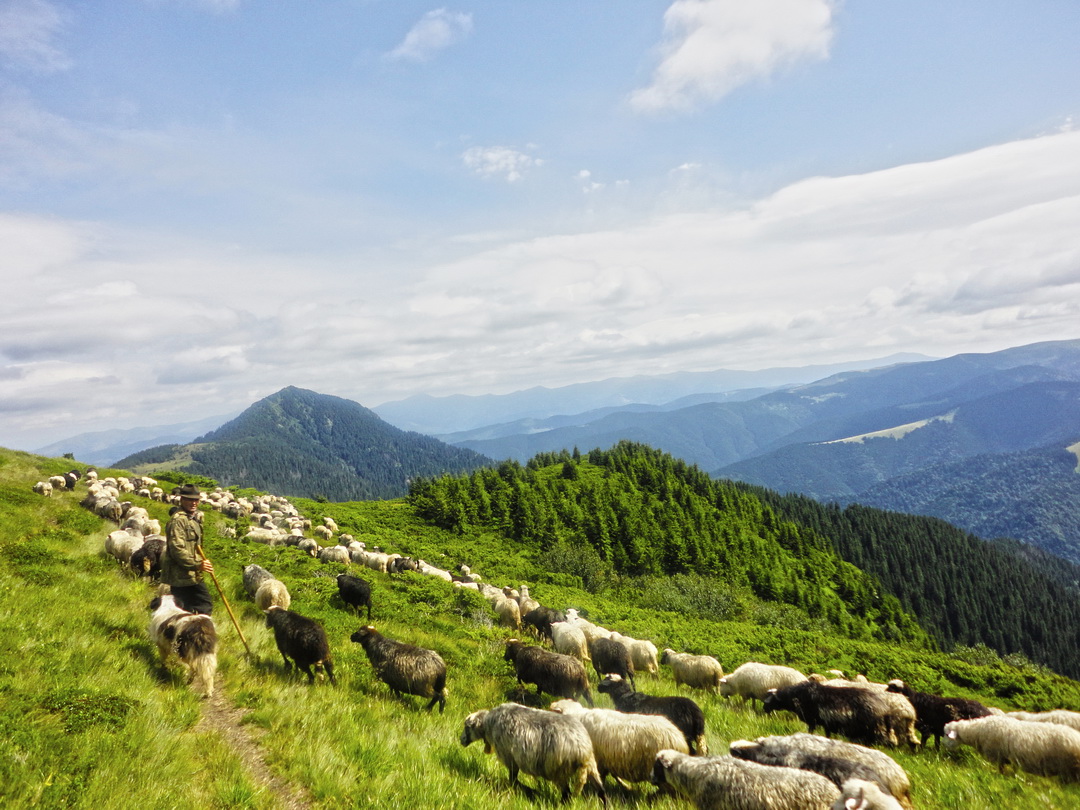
column 644, row 738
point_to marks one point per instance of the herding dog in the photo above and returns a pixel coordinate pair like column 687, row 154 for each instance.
column 192, row 637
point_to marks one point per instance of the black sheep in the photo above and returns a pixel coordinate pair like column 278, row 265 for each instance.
column 405, row 668
column 611, row 657
column 859, row 714
column 301, row 639
column 355, row 592
column 146, row 560
column 683, row 712
column 559, row 675
column 932, row 712
column 541, row 619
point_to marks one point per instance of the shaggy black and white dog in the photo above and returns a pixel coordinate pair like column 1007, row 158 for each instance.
column 191, row 637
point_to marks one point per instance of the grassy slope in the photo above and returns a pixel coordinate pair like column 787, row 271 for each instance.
column 91, row 720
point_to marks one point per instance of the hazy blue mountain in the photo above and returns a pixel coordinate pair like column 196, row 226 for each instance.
column 301, row 443
column 105, row 447
column 444, row 415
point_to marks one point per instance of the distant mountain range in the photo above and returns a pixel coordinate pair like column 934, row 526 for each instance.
column 300, row 443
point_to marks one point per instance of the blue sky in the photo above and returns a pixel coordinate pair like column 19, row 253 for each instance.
column 203, row 201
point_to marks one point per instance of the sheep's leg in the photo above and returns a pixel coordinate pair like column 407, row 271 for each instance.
column 307, row 671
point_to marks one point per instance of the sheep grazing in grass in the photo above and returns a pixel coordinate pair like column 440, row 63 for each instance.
column 541, row 619
column 610, row 657
column 146, row 559
column 1046, row 749
column 858, row 794
column 933, row 712
column 254, row 576
column 308, row 546
column 752, row 681
column 796, row 748
column 190, row 637
column 695, row 671
column 625, row 745
column 861, row 714
column 509, row 613
column 643, row 653
column 834, row 768
column 542, row 744
column 570, row 640
column 727, row 783
column 301, row 639
column 683, row 712
column 559, row 675
column 43, row 488
column 338, row 554
column 355, row 592
column 406, row 669
column 272, row 593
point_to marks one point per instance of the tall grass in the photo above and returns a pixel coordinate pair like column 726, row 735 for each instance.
column 90, row 719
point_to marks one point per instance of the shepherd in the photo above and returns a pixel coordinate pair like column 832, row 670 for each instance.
column 183, row 563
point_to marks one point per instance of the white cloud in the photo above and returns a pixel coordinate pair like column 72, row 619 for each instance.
column 28, row 33
column 436, row 31
column 711, row 47
column 501, row 161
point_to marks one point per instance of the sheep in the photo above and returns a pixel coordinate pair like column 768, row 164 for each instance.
column 355, row 592
column 432, row 571
column 696, row 671
column 272, row 593
column 932, row 712
column 1059, row 716
column 625, row 745
column 270, row 537
column 509, row 613
column 570, row 640
column 541, row 619
column 545, row 745
column 323, row 533
column 558, row 675
column 683, row 712
column 642, row 653
column 861, row 714
column 858, row 794
column 301, row 639
column 752, row 681
column 399, row 565
column 254, row 576
column 405, row 668
column 727, row 783
column 43, row 488
column 122, row 543
column 329, row 523
column 836, row 769
column 58, row 482
column 334, row 554
column 308, row 546
column 901, row 719
column 146, row 559
column 1047, row 749
column 795, row 748
column 610, row 657
column 591, row 631
column 525, row 602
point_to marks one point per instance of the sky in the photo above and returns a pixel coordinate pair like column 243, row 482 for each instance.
column 205, row 201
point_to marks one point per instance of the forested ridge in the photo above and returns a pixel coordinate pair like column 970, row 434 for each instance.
column 639, row 514
column 865, row 572
column 963, row 589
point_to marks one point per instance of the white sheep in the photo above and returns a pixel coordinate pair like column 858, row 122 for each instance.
column 752, row 681
column 334, row 554
column 43, row 488
column 727, row 783
column 433, row 571
column 509, row 613
column 625, row 745
column 592, row 631
column 643, row 653
column 122, row 543
column 323, row 533
column 570, row 640
column 543, row 744
column 309, row 546
column 1047, row 749
column 696, row 671
column 272, row 593
column 57, row 481
column 1060, row 716
column 858, row 794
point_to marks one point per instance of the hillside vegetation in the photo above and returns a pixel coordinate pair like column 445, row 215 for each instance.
column 92, row 720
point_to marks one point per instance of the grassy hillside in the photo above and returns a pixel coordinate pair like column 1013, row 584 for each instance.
column 91, row 720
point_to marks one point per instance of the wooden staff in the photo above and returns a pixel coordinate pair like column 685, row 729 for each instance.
column 217, row 584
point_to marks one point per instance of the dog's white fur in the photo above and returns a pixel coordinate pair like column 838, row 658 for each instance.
column 190, row 637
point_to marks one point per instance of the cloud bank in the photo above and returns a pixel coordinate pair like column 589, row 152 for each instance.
column 436, row 31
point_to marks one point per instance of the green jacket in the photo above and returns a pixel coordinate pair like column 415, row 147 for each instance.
column 181, row 564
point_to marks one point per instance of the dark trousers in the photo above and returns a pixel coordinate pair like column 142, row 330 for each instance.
column 193, row 598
